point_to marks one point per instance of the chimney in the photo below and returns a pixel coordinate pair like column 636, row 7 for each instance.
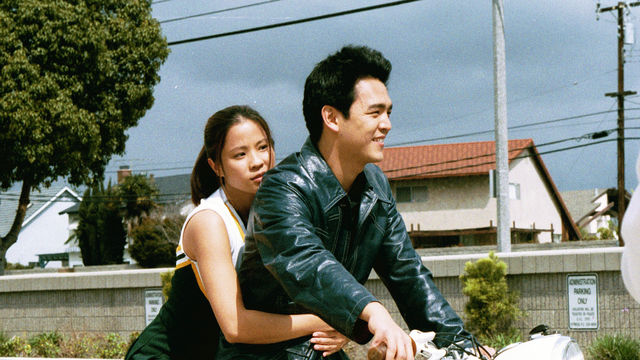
column 123, row 172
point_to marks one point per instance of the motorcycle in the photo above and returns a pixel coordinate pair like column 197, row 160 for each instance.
column 541, row 345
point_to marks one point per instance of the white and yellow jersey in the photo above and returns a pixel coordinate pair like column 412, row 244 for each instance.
column 235, row 229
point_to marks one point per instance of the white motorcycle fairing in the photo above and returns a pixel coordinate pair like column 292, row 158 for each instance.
column 552, row 347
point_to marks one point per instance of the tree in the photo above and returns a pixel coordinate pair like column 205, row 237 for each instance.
column 137, row 194
column 155, row 240
column 74, row 76
column 101, row 234
column 492, row 309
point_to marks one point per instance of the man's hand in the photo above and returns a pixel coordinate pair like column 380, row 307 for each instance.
column 390, row 342
column 329, row 342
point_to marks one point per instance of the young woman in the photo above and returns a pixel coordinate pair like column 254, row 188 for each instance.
column 205, row 298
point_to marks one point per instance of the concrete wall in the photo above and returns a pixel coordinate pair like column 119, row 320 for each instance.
column 113, row 301
column 541, row 279
column 465, row 203
column 102, row 301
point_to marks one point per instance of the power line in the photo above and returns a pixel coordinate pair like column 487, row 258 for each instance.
column 510, row 128
column 519, row 157
column 216, row 12
column 43, row 199
column 594, row 135
column 190, row 167
column 293, row 22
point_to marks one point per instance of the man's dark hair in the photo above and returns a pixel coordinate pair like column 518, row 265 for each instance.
column 333, row 80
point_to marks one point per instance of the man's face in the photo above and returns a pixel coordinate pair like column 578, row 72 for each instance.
column 362, row 134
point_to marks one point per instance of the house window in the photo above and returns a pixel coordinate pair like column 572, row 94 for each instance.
column 514, row 191
column 411, row 194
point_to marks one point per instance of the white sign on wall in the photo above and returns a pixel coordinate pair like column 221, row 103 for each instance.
column 583, row 301
column 153, row 300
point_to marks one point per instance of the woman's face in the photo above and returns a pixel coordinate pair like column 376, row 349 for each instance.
column 245, row 157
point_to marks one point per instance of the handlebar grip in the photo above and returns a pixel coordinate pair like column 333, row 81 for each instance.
column 379, row 352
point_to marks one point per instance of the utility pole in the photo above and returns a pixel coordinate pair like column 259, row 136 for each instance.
column 503, row 231
column 620, row 94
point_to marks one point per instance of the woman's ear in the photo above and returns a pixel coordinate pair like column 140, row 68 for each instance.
column 330, row 117
column 218, row 171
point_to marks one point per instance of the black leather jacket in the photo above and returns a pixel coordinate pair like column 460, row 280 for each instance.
column 303, row 253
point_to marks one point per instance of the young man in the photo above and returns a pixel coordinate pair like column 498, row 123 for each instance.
column 325, row 216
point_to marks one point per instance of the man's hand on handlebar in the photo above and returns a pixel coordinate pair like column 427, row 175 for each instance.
column 390, row 342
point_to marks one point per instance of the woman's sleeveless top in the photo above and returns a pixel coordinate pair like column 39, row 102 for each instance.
column 186, row 323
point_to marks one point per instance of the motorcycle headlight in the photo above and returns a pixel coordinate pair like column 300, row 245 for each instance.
column 572, row 352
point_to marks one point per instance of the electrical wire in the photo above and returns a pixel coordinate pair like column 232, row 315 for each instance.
column 217, row 11
column 433, row 172
column 14, row 196
column 510, row 128
column 585, row 136
column 293, row 22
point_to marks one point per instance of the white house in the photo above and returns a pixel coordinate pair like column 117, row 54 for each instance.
column 446, row 194
column 593, row 208
column 45, row 230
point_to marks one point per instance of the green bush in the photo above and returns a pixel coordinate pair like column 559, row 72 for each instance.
column 14, row 346
column 605, row 233
column 101, row 346
column 46, row 344
column 111, row 346
column 501, row 340
column 155, row 241
column 492, row 309
column 166, row 283
column 614, row 347
column 18, row 266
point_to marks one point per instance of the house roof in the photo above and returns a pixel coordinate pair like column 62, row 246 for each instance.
column 445, row 160
column 40, row 200
column 465, row 159
column 173, row 188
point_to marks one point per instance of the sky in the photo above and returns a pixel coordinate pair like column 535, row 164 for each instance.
column 560, row 61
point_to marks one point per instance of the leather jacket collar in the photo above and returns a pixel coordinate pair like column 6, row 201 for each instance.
column 329, row 190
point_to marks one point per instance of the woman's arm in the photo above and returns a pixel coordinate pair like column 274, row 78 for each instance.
column 206, row 241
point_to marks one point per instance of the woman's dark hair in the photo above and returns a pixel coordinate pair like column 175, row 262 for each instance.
column 204, row 180
column 333, row 80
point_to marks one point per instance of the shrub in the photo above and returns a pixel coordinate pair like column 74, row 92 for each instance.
column 155, row 241
column 14, row 346
column 111, row 346
column 102, row 346
column 501, row 340
column 18, row 266
column 605, row 233
column 492, row 309
column 46, row 344
column 166, row 283
column 614, row 347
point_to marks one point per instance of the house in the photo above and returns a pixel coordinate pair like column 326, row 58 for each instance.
column 174, row 192
column 46, row 228
column 446, row 194
column 593, row 208
column 52, row 218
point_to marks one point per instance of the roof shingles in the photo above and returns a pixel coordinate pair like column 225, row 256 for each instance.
column 444, row 160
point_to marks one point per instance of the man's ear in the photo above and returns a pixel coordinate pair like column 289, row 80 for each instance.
column 330, row 117
column 215, row 168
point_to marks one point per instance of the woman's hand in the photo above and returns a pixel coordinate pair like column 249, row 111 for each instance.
column 329, row 342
